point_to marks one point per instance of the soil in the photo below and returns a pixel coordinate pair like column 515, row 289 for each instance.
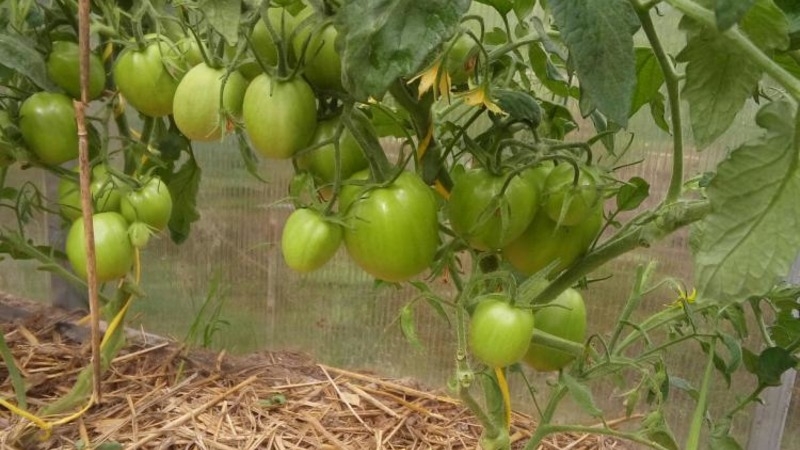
column 157, row 394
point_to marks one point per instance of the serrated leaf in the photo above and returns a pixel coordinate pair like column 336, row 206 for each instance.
column 380, row 41
column 791, row 9
column 750, row 238
column 632, row 194
column 599, row 35
column 772, row 363
column 649, row 79
column 766, row 25
column 223, row 16
column 183, row 186
column 729, row 12
column 501, row 6
column 18, row 54
column 581, row 394
column 547, row 73
column 719, row 79
column 658, row 112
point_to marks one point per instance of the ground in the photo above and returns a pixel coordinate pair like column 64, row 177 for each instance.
column 160, row 395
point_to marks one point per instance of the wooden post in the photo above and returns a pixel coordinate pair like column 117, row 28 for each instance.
column 766, row 430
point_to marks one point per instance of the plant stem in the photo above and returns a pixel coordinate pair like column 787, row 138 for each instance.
column 642, row 276
column 696, row 426
column 745, row 45
column 671, row 80
column 547, row 415
column 563, row 345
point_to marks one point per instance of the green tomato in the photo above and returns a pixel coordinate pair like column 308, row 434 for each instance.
column 482, row 216
column 63, row 67
column 196, row 107
column 321, row 161
column 113, row 249
column 567, row 203
column 391, row 232
column 460, row 60
column 148, row 78
column 544, row 243
column 309, row 240
column 564, row 317
column 499, row 333
column 105, row 194
column 323, row 66
column 150, row 204
column 263, row 45
column 48, row 127
column 280, row 116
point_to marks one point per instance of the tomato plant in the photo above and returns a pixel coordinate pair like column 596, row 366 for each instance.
column 309, row 240
column 147, row 77
column 150, row 204
column 62, row 67
column 105, row 194
column 392, row 231
column 113, row 248
column 280, row 116
column 198, row 111
column 47, row 124
column 499, row 333
column 488, row 210
column 563, row 317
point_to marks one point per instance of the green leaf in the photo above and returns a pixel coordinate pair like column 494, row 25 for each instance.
column 548, row 73
column 523, row 8
column 382, row 40
column 18, row 54
column 408, row 325
column 718, row 82
column 183, row 185
column 632, row 194
column 772, row 363
column 685, row 386
column 658, row 112
column 649, row 79
column 766, row 25
column 721, row 439
column 599, row 35
column 223, row 16
column 656, row 428
column 750, row 237
column 791, row 8
column 501, row 6
column 581, row 394
column 729, row 12
column 520, row 106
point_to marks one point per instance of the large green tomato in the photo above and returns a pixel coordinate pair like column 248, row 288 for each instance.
column 263, row 45
column 309, row 240
column 113, row 250
column 196, row 108
column 499, row 333
column 280, row 116
column 323, row 67
column 48, row 127
column 544, row 243
column 321, row 161
column 567, row 203
column 63, row 67
column 564, row 317
column 151, row 204
column 391, row 232
column 105, row 194
column 482, row 216
column 148, row 78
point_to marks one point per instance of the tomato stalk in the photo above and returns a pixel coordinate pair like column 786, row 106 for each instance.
column 696, row 425
column 358, row 125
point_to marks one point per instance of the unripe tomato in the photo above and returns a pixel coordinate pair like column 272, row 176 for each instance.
column 460, row 60
column 544, row 243
column 564, row 317
column 280, row 116
column 570, row 204
column 105, row 194
column 148, row 78
column 321, row 161
column 150, row 204
column 63, row 67
column 499, row 333
column 48, row 127
column 263, row 45
column 483, row 217
column 113, row 249
column 196, row 108
column 391, row 232
column 309, row 240
column 322, row 67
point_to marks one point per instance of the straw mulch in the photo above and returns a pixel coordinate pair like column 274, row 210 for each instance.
column 157, row 395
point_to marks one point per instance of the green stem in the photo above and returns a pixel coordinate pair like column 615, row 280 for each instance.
column 547, row 416
column 556, row 343
column 745, row 45
column 696, row 426
column 745, row 402
column 671, row 80
column 762, row 326
column 642, row 276
column 362, row 132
